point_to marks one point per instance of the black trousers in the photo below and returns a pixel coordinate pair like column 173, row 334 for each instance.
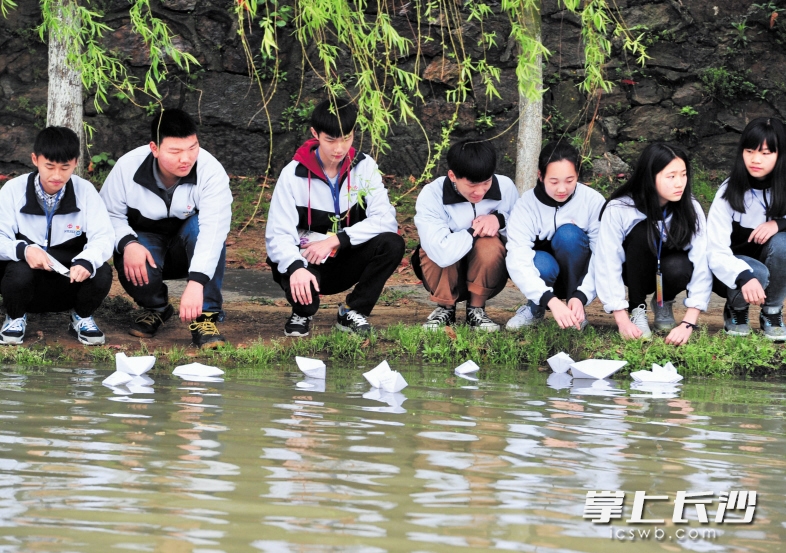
column 641, row 265
column 27, row 290
column 366, row 266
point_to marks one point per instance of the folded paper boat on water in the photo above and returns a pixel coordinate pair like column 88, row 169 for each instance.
column 383, row 377
column 596, row 368
column 467, row 367
column 117, row 378
column 135, row 366
column 197, row 369
column 667, row 373
column 560, row 363
column 313, row 368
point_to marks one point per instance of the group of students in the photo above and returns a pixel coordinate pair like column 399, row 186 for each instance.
column 165, row 208
column 331, row 226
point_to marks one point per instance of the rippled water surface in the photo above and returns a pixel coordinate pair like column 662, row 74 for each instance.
column 256, row 463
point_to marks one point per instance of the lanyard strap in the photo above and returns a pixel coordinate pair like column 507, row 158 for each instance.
column 661, row 232
column 49, row 215
column 334, row 186
column 763, row 202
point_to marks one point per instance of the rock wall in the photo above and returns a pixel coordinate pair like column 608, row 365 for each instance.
column 714, row 66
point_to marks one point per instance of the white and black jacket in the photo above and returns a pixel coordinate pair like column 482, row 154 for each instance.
column 618, row 220
column 135, row 204
column 302, row 200
column 535, row 219
column 728, row 231
column 80, row 233
column 444, row 217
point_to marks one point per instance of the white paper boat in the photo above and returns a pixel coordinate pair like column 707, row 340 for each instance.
column 664, row 390
column 468, row 377
column 134, row 365
column 375, row 375
column 467, row 367
column 197, row 369
column 560, row 363
column 596, row 368
column 559, row 381
column 312, row 384
column 666, row 374
column 196, row 378
column 393, row 382
column 117, row 378
column 313, row 368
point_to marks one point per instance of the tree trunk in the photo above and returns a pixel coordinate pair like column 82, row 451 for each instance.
column 529, row 137
column 64, row 105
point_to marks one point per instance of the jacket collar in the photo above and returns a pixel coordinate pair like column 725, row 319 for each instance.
column 308, row 163
column 451, row 196
column 144, row 175
column 32, row 207
column 544, row 198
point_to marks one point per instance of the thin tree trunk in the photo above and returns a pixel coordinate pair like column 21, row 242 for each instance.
column 530, row 119
column 64, row 105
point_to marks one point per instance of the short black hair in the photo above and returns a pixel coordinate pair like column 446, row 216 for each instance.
column 472, row 159
column 557, row 151
column 171, row 122
column 58, row 144
column 334, row 118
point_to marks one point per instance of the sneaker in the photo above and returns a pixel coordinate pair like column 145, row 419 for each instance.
column 771, row 321
column 735, row 321
column 477, row 319
column 441, row 316
column 147, row 323
column 13, row 330
column 639, row 318
column 297, row 325
column 86, row 330
column 526, row 315
column 352, row 321
column 664, row 316
column 204, row 332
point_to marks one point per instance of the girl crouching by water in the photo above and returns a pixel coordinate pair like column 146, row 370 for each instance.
column 551, row 236
column 653, row 239
column 747, row 250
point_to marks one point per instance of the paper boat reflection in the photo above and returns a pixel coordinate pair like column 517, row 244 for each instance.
column 559, row 381
column 665, row 390
column 595, row 387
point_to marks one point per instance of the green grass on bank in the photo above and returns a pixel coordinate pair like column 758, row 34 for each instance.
column 707, row 354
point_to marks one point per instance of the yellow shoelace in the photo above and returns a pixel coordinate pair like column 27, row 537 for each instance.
column 205, row 328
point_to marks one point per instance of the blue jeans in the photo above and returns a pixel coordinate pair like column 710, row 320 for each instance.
column 172, row 254
column 564, row 262
column 769, row 270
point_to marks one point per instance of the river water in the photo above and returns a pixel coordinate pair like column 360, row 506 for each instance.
column 256, row 463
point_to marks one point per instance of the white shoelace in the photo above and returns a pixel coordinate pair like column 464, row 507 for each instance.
column 15, row 325
column 440, row 315
column 296, row 319
column 356, row 317
column 86, row 324
column 639, row 316
column 480, row 314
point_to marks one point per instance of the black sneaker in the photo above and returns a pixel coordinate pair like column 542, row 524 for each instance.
column 297, row 325
column 13, row 330
column 478, row 320
column 771, row 321
column 440, row 317
column 204, row 332
column 352, row 321
column 147, row 323
column 86, row 330
column 735, row 321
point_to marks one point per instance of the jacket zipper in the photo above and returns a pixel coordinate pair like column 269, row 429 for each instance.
column 555, row 218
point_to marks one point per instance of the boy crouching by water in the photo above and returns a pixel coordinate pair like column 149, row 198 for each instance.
column 55, row 238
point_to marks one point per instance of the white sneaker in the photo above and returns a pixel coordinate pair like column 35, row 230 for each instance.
column 639, row 318
column 86, row 330
column 525, row 317
column 13, row 330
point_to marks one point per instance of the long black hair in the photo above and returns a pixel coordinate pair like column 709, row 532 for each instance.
column 640, row 187
column 756, row 133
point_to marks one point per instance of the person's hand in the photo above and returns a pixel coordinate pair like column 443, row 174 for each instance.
column 578, row 310
column 191, row 301
column 135, row 258
column 679, row 335
column 37, row 258
column 79, row 273
column 485, row 225
column 628, row 330
column 300, row 285
column 753, row 292
column 562, row 313
column 315, row 252
column 763, row 232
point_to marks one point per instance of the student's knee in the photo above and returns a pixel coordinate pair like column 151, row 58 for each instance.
column 677, row 268
column 547, row 267
column 489, row 249
column 18, row 275
column 570, row 238
column 308, row 309
column 760, row 272
column 190, row 228
column 103, row 279
column 391, row 245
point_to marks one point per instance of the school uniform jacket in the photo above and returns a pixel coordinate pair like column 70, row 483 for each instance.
column 80, row 233
column 444, row 217
column 728, row 231
column 302, row 200
column 618, row 220
column 132, row 198
column 535, row 218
